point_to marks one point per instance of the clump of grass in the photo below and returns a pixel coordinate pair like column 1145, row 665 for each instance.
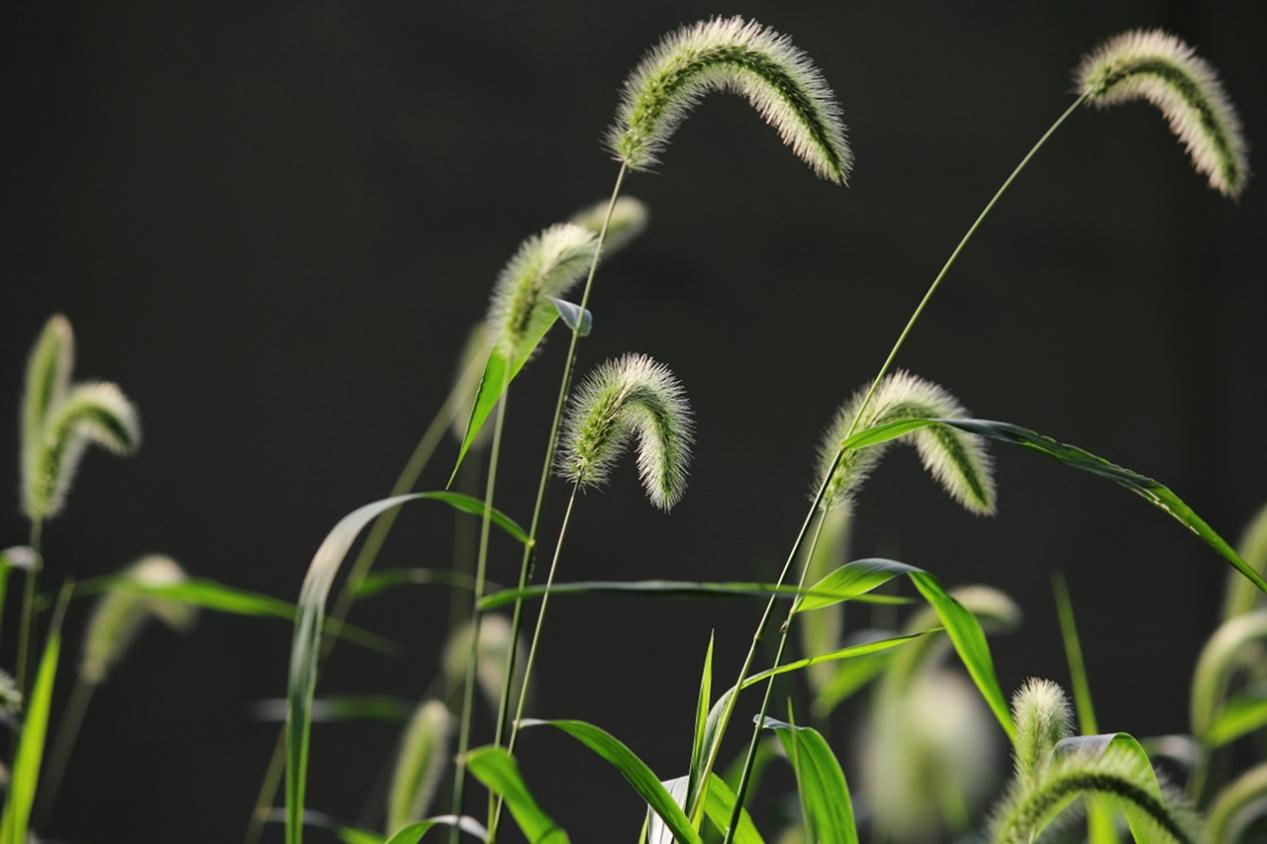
column 1152, row 65
column 730, row 54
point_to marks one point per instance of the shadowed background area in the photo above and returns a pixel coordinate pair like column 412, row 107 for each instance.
column 274, row 225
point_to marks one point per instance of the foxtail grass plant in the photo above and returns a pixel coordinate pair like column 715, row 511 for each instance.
column 1124, row 68
column 59, row 421
column 632, row 397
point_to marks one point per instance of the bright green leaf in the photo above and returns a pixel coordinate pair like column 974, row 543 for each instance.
column 496, row 769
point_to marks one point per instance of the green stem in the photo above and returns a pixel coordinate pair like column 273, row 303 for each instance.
column 28, row 604
column 875, row 383
column 481, row 567
column 547, row 466
column 495, row 814
column 744, row 777
column 405, row 482
column 67, row 733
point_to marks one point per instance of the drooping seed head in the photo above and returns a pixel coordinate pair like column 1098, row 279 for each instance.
column 121, row 613
column 739, row 56
column 957, row 460
column 628, row 221
column 494, row 651
column 1155, row 66
column 1043, row 718
column 623, row 398
column 420, row 762
column 546, row 264
column 1118, row 775
column 97, row 414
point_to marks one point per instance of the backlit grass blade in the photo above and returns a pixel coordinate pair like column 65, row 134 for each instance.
column 1237, row 806
column 719, row 804
column 682, row 589
column 496, row 769
column 633, row 769
column 302, row 681
column 857, row 578
column 853, row 675
column 1239, row 716
column 1099, row 815
column 385, row 579
column 30, row 753
column 1156, row 493
column 703, row 702
column 209, row 595
column 410, row 833
column 863, row 649
column 820, row 781
column 495, row 380
column 413, row 832
column 1098, row 745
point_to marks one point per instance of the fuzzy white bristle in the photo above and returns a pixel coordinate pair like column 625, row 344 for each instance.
column 1156, row 66
column 956, row 460
column 732, row 55
column 632, row 395
column 628, row 221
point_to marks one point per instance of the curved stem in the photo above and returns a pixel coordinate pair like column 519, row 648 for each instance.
column 875, row 383
column 532, row 655
column 28, row 604
column 481, row 567
column 769, row 687
column 405, row 482
column 547, row 465
column 67, row 732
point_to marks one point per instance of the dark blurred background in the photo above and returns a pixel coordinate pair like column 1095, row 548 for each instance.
column 274, row 224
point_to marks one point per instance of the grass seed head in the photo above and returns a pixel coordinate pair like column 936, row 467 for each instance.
column 739, row 56
column 623, row 398
column 1156, row 66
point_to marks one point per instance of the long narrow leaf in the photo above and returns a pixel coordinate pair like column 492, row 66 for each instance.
column 209, row 595
column 1238, row 716
column 496, row 769
column 381, row 581
column 495, row 379
column 857, row 578
column 719, row 803
column 820, row 782
column 341, row 708
column 633, row 769
column 701, row 723
column 1125, row 743
column 682, row 589
column 302, row 681
column 30, row 752
column 863, row 649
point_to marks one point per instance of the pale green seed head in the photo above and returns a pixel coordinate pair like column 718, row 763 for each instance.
column 632, row 396
column 89, row 414
column 957, row 460
column 121, row 613
column 494, row 651
column 421, row 761
column 1155, row 66
column 738, row 56
column 545, row 265
column 48, row 371
column 628, row 221
column 1043, row 717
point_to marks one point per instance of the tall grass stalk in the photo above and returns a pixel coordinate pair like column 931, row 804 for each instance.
column 741, row 791
column 405, row 482
column 481, row 565
column 552, row 441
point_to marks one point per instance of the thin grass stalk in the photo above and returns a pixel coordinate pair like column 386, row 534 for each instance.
column 28, row 605
column 525, row 565
column 884, row 370
column 496, row 806
column 481, row 566
column 67, row 733
column 343, row 602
